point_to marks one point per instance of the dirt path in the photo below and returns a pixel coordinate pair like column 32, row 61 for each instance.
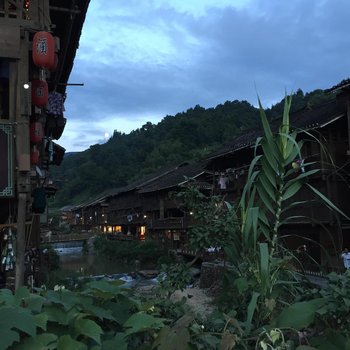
column 197, row 299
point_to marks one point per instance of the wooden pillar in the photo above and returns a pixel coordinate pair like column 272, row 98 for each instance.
column 161, row 208
column 20, row 240
column 19, row 76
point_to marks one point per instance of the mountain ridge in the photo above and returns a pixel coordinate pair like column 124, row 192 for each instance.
column 187, row 136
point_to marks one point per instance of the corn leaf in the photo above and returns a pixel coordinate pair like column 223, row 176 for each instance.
column 271, row 191
column 328, row 202
column 268, row 171
column 266, row 199
column 265, row 123
column 250, row 312
column 291, row 190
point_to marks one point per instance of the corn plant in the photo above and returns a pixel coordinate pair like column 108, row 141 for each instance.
column 275, row 176
column 262, row 271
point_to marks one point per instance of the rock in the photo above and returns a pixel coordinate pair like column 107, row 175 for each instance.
column 194, row 272
column 148, row 273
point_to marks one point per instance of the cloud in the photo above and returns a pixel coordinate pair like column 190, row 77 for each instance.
column 140, row 61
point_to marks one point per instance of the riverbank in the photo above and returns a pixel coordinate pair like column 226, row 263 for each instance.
column 199, row 301
column 99, row 267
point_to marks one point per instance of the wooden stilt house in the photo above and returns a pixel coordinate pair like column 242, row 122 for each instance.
column 38, row 43
column 322, row 231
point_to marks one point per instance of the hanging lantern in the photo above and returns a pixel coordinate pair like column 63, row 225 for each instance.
column 55, row 63
column 36, row 133
column 34, row 156
column 40, row 93
column 44, row 50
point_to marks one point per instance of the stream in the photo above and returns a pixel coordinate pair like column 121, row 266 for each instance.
column 99, row 267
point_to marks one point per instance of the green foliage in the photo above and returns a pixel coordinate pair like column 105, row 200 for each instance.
column 174, row 277
column 335, row 313
column 102, row 316
column 216, row 225
column 147, row 251
column 299, row 315
column 260, row 276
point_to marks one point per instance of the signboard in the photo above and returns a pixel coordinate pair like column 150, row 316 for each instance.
column 6, row 162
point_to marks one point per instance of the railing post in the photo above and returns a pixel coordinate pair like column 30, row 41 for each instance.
column 6, row 4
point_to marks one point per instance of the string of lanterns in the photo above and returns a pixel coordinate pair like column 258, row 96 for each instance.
column 44, row 57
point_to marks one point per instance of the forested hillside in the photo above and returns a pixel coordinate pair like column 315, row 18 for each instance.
column 188, row 136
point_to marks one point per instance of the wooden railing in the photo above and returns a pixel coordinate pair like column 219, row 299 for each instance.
column 33, row 12
column 66, row 237
column 18, row 9
column 318, row 270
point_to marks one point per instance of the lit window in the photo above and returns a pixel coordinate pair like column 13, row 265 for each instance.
column 142, row 230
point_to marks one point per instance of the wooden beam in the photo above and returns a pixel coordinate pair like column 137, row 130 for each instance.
column 348, row 117
column 13, row 225
column 63, row 9
column 71, row 84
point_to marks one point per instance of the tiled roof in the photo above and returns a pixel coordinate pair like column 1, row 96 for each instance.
column 176, row 177
column 305, row 119
column 165, row 177
column 150, row 178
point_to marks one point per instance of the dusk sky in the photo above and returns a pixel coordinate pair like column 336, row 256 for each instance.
column 143, row 60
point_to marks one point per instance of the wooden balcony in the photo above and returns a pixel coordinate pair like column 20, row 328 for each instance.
column 170, row 223
column 25, row 13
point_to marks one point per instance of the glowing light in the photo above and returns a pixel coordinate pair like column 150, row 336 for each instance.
column 106, row 136
column 26, row 86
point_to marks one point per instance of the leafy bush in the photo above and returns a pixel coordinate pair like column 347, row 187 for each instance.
column 147, row 251
column 103, row 315
column 174, row 277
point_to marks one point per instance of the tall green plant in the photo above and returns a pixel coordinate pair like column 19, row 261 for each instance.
column 275, row 176
column 262, row 275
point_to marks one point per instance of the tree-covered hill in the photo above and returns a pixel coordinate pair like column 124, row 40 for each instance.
column 187, row 136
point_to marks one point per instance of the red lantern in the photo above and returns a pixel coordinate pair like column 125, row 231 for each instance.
column 40, row 93
column 54, row 67
column 34, row 156
column 43, row 50
column 36, row 132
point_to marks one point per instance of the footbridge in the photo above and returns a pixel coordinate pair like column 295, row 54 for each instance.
column 49, row 237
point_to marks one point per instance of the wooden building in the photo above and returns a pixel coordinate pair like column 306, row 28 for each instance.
column 38, row 43
column 324, row 232
column 145, row 208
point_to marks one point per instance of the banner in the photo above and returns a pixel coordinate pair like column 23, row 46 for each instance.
column 6, row 162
